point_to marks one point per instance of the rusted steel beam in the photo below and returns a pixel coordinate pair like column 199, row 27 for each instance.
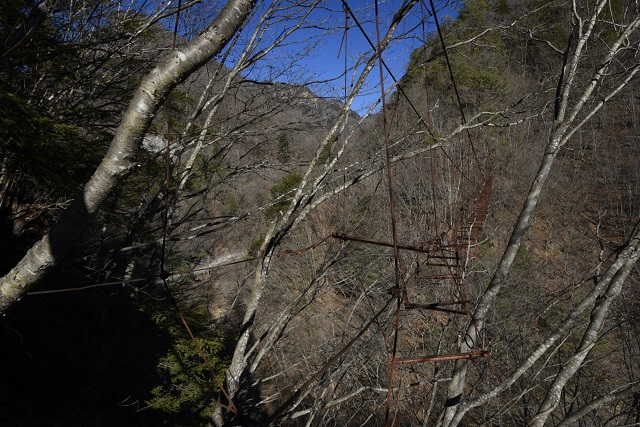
column 439, row 264
column 444, row 303
column 438, row 276
column 412, row 306
column 440, row 357
column 343, row 236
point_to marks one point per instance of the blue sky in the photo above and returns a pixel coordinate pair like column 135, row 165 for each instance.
column 316, row 49
column 324, row 62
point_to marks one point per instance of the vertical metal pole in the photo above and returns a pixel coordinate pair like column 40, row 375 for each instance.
column 394, row 230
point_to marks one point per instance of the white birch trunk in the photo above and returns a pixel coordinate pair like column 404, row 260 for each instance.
column 146, row 101
column 568, row 119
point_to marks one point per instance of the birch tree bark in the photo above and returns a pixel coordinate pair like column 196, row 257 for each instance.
column 145, row 103
column 570, row 114
column 602, row 304
column 608, row 287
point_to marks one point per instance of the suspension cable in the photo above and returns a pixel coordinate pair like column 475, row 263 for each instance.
column 400, row 89
column 453, row 83
column 375, row 49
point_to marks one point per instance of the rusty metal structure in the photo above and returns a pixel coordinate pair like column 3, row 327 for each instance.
column 437, row 285
column 435, row 289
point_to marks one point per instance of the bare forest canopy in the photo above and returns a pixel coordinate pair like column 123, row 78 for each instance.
column 197, row 229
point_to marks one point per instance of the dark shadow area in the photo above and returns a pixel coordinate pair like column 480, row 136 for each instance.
column 84, row 358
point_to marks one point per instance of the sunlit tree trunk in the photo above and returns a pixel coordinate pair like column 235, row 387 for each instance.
column 571, row 113
column 145, row 103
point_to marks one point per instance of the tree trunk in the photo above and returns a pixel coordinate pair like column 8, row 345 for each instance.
column 146, row 101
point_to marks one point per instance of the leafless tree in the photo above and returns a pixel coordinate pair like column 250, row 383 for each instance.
column 148, row 98
column 313, row 317
column 580, row 94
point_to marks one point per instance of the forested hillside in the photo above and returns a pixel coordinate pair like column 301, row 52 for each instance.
column 197, row 229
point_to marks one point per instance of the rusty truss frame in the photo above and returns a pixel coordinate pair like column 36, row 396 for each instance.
column 440, row 262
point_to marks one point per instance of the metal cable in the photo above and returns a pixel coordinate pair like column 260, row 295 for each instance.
column 453, row 82
column 392, row 210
